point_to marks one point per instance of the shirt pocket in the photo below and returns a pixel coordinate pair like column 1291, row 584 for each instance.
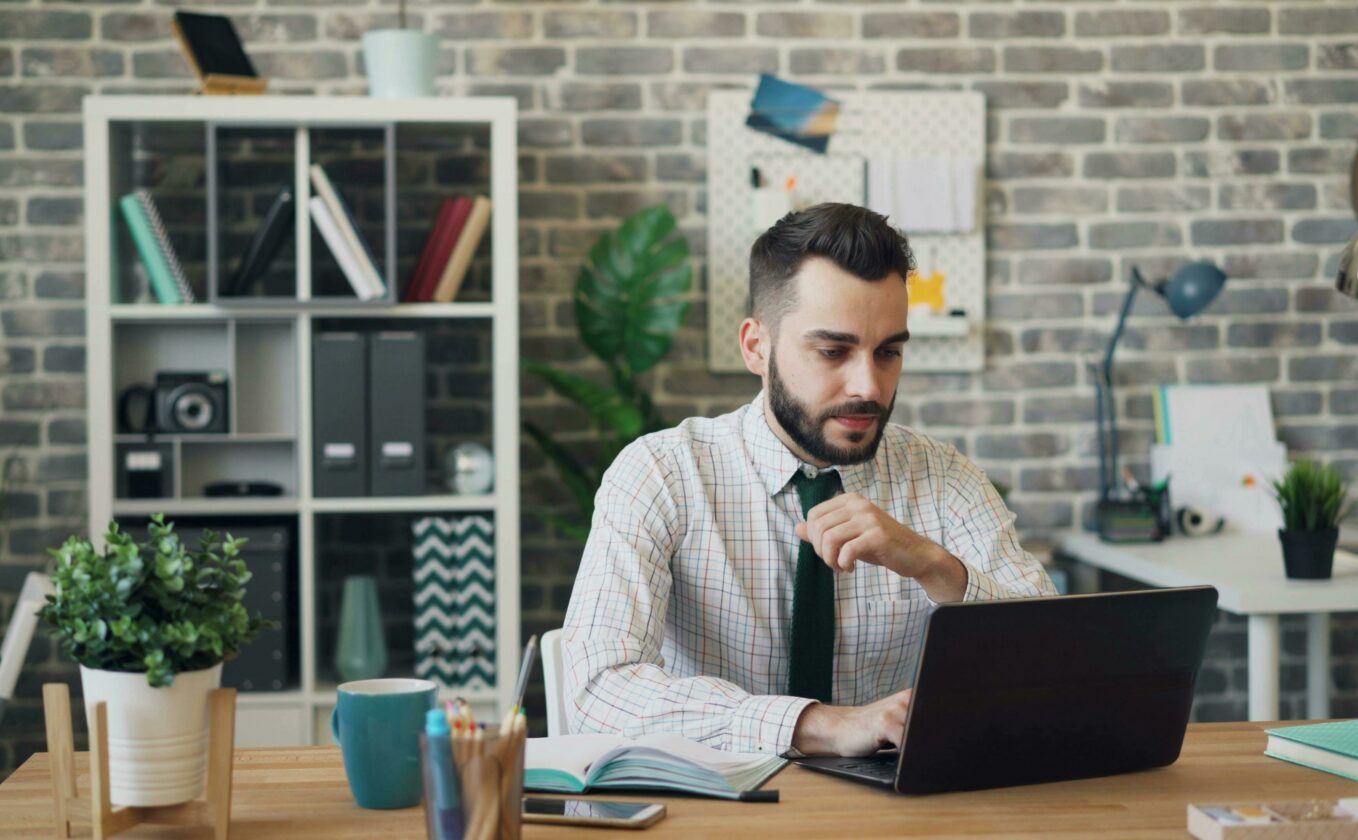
column 890, row 645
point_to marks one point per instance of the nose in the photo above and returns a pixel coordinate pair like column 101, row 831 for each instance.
column 864, row 380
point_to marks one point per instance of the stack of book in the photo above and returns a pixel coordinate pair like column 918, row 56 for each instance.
column 164, row 272
column 337, row 227
column 448, row 250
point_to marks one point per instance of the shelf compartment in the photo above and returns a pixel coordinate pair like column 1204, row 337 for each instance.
column 360, row 166
column 265, row 378
column 250, row 166
column 206, row 461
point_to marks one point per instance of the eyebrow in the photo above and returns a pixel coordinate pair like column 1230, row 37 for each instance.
column 849, row 338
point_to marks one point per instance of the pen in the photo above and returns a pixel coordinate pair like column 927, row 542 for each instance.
column 529, row 651
column 759, row 796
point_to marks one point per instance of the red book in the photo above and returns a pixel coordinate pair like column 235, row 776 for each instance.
column 427, row 253
column 439, row 247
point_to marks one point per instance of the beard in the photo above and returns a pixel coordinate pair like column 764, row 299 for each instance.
column 809, row 432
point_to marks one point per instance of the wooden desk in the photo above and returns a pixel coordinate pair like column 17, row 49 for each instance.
column 301, row 792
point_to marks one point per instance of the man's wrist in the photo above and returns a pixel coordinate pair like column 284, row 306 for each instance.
column 814, row 733
column 945, row 578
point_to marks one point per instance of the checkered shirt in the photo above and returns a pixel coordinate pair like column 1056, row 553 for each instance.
column 681, row 613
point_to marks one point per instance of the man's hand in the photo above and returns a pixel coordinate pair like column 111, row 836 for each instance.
column 852, row 730
column 849, row 528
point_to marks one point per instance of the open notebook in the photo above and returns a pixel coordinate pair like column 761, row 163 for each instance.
column 580, row 763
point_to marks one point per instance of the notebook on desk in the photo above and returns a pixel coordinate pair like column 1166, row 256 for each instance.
column 1045, row 689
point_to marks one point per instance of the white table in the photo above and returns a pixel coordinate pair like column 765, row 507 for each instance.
column 1247, row 570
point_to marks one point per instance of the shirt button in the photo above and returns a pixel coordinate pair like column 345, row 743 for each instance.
column 810, row 472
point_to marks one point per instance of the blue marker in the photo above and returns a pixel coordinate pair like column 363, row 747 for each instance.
column 445, row 807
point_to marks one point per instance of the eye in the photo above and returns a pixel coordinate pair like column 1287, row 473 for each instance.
column 831, row 352
column 890, row 352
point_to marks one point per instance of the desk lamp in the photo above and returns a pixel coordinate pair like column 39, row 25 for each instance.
column 1122, row 519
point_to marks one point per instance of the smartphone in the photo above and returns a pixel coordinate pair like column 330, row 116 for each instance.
column 591, row 812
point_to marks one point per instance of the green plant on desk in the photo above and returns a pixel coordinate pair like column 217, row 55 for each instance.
column 629, row 303
column 1312, row 498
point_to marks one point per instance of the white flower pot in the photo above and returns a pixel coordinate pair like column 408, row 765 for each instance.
column 400, row 62
column 157, row 737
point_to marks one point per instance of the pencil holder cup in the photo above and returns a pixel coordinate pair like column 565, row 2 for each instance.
column 490, row 775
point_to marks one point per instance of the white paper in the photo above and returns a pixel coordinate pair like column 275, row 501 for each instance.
column 1227, row 417
column 1234, row 483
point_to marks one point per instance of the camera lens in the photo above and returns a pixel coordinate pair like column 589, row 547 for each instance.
column 193, row 410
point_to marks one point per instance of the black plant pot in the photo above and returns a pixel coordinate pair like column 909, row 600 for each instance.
column 1309, row 555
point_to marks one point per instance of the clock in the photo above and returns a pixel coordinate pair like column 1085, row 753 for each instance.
column 470, row 469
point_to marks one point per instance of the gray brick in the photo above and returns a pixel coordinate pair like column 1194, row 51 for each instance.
column 731, row 59
column 1129, row 165
column 1323, row 231
column 1162, row 129
column 1000, row 94
column 1059, row 409
column 15, row 359
column 1270, row 266
column 623, row 61
column 9, row 212
column 946, row 60
column 1064, row 340
column 594, row 169
column 53, row 136
column 45, row 25
column 1321, row 91
column 548, row 205
column 1007, row 165
column 60, row 468
column 350, row 26
column 1172, row 338
column 1318, row 20
column 64, row 359
column 135, row 26
column 1218, row 21
column 524, row 95
column 1324, row 299
column 1030, row 237
column 18, row 433
column 1115, row 23
column 1344, row 401
column 1337, row 56
column 1158, row 58
column 804, row 25
column 600, row 96
column 257, row 30
column 50, row 210
column 1222, row 163
column 13, row 285
column 81, row 62
column 1233, row 369
column 1056, row 130
column 1108, row 94
column 1059, row 479
column 1273, row 334
column 43, row 247
column 1319, row 161
column 681, row 167
column 67, row 503
column 515, row 61
column 1156, row 199
column 166, row 64
column 617, row 204
column 1217, row 92
column 1052, row 60
column 309, row 65
column 967, row 412
column 1341, row 126
column 1236, row 231
column 43, row 396
column 1236, row 58
column 30, row 98
column 631, row 132
column 1064, row 271
column 1344, row 332
column 1037, row 515
column 1296, row 403
column 1318, row 438
column 478, row 26
column 42, row 322
column 694, row 24
column 1019, row 376
column 589, row 24
column 1009, row 25
column 911, row 25
column 1071, row 200
column 6, row 136
column 1267, row 196
column 836, row 62
column 544, row 133
column 1115, row 235
column 1264, row 126
column 1022, row 445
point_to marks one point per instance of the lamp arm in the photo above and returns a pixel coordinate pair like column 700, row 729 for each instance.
column 1108, row 465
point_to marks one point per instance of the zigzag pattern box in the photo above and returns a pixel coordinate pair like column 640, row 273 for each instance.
column 455, row 601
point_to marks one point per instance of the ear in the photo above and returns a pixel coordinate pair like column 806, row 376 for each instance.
column 755, row 346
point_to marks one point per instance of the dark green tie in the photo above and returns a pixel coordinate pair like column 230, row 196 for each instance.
column 812, row 649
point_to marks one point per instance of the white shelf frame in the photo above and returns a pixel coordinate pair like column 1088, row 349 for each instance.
column 312, row 698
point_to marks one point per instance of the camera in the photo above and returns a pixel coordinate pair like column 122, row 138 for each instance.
column 191, row 403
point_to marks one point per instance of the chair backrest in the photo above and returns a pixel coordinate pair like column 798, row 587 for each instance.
column 553, row 679
column 14, row 649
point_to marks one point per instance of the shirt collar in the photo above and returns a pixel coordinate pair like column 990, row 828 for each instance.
column 775, row 463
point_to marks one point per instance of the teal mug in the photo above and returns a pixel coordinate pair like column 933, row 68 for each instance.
column 378, row 724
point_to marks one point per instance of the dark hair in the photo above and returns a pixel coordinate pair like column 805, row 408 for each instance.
column 855, row 238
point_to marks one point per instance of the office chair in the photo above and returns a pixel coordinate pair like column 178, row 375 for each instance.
column 22, row 622
column 553, row 680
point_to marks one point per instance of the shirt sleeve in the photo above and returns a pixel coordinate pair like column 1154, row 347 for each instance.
column 615, row 676
column 980, row 532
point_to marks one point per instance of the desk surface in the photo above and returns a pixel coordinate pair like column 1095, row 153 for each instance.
column 1246, row 569
column 301, row 792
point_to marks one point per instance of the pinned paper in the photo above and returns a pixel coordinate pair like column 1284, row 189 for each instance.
column 925, row 195
column 793, row 112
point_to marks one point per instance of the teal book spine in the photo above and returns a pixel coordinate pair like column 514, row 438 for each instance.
column 162, row 280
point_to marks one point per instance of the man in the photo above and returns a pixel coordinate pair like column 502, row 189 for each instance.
column 726, row 592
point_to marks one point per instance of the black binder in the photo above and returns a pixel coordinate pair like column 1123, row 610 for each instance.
column 396, row 413
column 339, row 414
column 264, row 664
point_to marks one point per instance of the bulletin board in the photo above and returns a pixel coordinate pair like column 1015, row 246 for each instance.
column 914, row 124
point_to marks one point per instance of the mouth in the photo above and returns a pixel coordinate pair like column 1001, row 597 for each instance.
column 856, row 422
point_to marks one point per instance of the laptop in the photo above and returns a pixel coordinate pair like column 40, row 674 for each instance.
column 1033, row 690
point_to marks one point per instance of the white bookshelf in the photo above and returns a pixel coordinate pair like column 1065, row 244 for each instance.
column 299, row 715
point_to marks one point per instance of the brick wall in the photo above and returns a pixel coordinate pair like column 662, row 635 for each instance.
column 1145, row 133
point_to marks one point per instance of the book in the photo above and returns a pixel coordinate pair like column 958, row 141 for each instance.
column 461, row 258
column 1331, row 747
column 584, row 763
column 334, row 240
column 272, row 232
column 438, row 247
column 153, row 247
column 344, row 221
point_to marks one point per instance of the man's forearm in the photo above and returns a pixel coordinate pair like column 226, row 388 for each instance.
column 946, row 579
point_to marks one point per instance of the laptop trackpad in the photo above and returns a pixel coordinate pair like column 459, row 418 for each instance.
column 876, row 769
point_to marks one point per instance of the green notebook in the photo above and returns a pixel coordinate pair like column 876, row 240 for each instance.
column 581, row 763
column 1332, row 747
column 151, row 247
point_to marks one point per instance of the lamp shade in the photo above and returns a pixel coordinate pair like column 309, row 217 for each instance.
column 1192, row 288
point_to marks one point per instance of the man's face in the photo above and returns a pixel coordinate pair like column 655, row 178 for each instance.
column 835, row 361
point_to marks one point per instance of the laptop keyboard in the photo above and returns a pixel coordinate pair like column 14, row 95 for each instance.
column 879, row 768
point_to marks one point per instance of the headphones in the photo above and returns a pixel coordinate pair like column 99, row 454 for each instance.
column 1198, row 523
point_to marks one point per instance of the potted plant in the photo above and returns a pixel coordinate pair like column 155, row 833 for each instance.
column 1312, row 499
column 400, row 61
column 629, row 303
column 150, row 625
